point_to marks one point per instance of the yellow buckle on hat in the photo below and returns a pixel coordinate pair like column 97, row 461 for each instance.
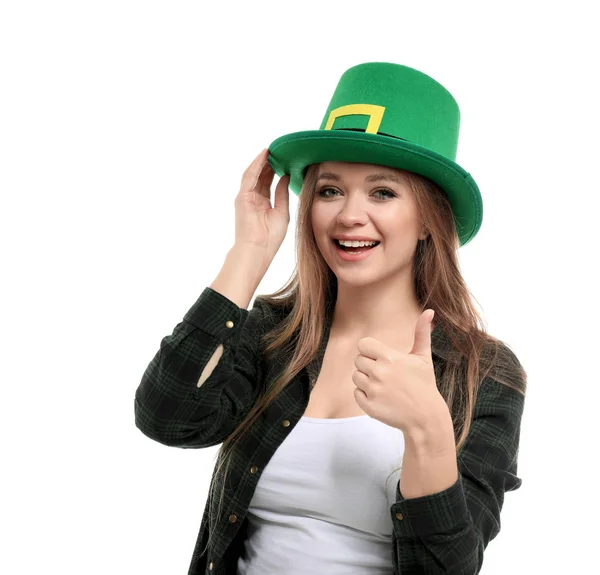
column 374, row 112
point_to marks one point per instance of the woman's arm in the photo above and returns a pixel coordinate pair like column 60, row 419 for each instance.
column 448, row 531
column 172, row 405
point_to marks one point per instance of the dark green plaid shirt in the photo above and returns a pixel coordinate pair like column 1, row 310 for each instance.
column 445, row 532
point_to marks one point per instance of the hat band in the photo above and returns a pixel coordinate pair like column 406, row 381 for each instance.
column 363, row 132
column 374, row 112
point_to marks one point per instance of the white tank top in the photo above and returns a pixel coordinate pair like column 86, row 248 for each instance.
column 322, row 503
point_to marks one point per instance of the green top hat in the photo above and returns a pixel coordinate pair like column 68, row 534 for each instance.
column 390, row 115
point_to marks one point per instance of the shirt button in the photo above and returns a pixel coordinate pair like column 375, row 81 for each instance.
column 286, row 423
column 399, row 516
column 229, row 324
column 210, row 567
column 253, row 469
column 232, row 518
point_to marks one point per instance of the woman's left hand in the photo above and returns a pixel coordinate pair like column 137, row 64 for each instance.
column 397, row 388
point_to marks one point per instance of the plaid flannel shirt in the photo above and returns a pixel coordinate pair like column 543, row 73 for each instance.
column 445, row 532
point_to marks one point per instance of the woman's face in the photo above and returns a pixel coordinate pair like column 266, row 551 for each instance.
column 365, row 201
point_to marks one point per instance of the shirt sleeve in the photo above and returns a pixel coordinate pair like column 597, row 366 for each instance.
column 169, row 406
column 447, row 532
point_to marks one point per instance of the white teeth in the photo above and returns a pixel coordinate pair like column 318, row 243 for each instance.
column 355, row 244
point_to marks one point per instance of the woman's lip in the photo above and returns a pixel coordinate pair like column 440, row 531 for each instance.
column 352, row 257
column 355, row 239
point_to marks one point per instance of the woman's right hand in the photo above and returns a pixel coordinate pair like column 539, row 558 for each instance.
column 257, row 224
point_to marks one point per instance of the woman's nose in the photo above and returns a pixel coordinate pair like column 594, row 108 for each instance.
column 352, row 212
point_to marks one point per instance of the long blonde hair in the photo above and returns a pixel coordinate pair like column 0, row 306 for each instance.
column 439, row 285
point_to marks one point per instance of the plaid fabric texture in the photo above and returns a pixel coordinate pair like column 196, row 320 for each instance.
column 446, row 532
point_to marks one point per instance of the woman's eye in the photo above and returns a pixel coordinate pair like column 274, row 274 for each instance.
column 323, row 191
column 385, row 190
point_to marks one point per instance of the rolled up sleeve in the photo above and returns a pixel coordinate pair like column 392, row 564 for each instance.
column 169, row 406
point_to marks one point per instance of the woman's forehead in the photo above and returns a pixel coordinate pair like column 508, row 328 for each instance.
column 354, row 167
column 355, row 170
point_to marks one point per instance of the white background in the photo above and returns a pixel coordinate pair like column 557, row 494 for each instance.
column 124, row 131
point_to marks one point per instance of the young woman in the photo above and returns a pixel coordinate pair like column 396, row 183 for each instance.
column 359, row 434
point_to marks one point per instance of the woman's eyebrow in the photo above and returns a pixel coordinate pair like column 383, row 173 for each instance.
column 383, row 176
column 379, row 176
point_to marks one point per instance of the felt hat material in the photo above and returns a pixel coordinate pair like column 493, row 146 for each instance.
column 390, row 115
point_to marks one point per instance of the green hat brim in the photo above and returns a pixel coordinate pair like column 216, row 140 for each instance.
column 293, row 153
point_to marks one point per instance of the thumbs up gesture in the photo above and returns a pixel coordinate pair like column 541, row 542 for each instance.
column 397, row 388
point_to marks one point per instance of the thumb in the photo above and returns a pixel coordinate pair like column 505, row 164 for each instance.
column 282, row 195
column 422, row 343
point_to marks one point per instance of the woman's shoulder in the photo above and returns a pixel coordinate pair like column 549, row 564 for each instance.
column 272, row 311
column 501, row 364
column 497, row 361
